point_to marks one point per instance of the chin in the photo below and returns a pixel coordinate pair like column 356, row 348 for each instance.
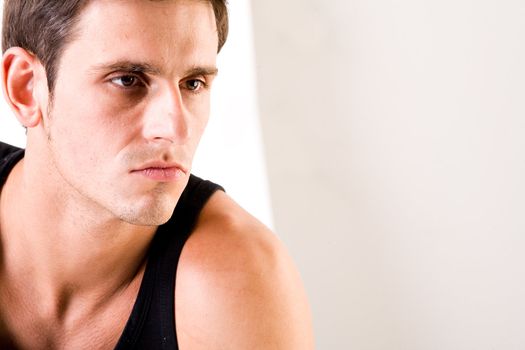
column 154, row 214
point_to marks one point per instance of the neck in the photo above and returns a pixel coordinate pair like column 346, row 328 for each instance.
column 63, row 251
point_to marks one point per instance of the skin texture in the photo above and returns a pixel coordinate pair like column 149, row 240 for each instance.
column 237, row 287
column 133, row 99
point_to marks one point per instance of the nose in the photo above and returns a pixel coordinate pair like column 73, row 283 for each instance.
column 166, row 119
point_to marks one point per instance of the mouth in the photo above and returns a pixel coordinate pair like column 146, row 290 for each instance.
column 161, row 172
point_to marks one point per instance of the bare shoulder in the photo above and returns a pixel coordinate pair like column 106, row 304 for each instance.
column 237, row 287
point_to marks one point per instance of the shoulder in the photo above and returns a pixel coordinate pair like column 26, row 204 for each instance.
column 237, row 287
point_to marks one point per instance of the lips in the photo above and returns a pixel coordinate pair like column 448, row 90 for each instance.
column 162, row 172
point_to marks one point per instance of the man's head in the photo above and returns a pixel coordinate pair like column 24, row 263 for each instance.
column 44, row 27
column 130, row 100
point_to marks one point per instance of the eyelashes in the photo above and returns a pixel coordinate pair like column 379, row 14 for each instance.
column 129, row 81
column 195, row 85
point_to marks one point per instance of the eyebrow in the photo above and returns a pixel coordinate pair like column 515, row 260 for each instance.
column 127, row 66
column 146, row 68
column 202, row 71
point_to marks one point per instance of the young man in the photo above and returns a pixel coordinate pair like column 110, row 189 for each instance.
column 106, row 240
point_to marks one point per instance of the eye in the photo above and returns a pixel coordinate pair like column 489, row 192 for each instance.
column 194, row 84
column 127, row 81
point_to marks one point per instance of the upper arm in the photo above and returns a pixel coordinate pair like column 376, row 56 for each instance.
column 237, row 288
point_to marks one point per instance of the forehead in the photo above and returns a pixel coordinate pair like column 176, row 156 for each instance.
column 166, row 31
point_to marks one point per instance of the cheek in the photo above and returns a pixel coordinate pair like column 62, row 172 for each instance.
column 95, row 132
column 198, row 128
column 103, row 114
column 200, row 112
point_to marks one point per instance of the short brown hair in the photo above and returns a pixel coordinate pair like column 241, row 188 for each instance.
column 43, row 27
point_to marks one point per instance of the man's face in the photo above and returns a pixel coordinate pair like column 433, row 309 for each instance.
column 130, row 104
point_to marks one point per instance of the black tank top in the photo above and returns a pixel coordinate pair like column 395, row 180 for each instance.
column 152, row 322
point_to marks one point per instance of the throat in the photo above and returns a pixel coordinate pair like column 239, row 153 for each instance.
column 32, row 318
column 63, row 284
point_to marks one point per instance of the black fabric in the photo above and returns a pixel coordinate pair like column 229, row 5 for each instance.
column 9, row 156
column 152, row 321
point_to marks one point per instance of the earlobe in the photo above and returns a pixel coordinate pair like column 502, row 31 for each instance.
column 19, row 71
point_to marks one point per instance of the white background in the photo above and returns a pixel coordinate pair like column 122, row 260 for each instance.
column 393, row 134
column 397, row 166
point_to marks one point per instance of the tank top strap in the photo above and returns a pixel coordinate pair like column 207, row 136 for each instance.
column 9, row 156
column 152, row 321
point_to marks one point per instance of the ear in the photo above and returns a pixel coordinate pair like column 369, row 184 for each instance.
column 20, row 70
